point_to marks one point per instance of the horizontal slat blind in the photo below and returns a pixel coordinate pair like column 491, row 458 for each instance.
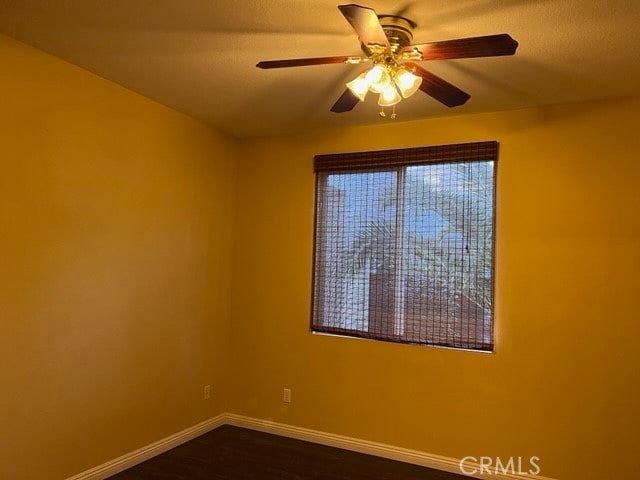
column 404, row 245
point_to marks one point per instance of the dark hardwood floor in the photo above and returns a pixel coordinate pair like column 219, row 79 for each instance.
column 238, row 454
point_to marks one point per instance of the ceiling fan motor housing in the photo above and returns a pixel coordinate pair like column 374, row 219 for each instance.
column 399, row 31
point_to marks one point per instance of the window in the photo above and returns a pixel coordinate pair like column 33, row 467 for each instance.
column 404, row 245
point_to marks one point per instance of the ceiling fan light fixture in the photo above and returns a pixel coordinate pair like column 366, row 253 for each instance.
column 407, row 82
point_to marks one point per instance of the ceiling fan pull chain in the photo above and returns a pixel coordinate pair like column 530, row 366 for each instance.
column 393, row 112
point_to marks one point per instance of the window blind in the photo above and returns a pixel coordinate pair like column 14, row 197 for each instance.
column 404, row 245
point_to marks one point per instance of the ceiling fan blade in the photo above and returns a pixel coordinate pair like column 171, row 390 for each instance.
column 345, row 103
column 487, row 46
column 366, row 24
column 302, row 62
column 438, row 88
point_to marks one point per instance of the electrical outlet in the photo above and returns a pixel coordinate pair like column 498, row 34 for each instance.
column 207, row 392
column 286, row 395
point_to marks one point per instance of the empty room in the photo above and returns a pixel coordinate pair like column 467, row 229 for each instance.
column 282, row 239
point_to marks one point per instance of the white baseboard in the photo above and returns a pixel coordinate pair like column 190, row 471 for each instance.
column 415, row 457
column 145, row 453
column 406, row 455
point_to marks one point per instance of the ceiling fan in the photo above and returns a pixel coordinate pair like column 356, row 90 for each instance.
column 386, row 43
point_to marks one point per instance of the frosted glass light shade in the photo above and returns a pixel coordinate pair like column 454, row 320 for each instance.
column 407, row 82
column 389, row 96
column 359, row 86
column 379, row 79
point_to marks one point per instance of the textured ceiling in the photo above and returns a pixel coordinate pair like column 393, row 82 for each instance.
column 199, row 56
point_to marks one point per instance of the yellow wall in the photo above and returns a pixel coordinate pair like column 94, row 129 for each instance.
column 115, row 232
column 563, row 383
